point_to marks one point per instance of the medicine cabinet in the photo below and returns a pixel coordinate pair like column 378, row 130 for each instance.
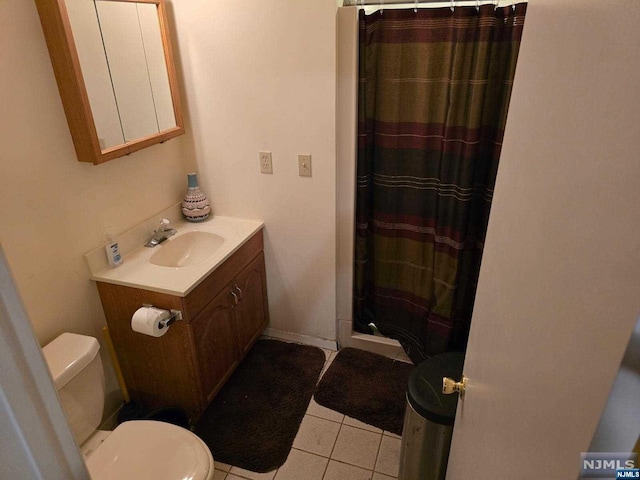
column 115, row 72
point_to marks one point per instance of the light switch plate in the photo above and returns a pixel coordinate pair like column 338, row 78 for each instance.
column 304, row 165
column 266, row 166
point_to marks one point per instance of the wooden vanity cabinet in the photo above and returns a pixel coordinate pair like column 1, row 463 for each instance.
column 222, row 318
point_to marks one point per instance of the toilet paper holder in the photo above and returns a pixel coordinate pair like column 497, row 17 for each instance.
column 173, row 316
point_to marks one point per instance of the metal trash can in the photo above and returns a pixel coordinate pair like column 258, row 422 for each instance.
column 428, row 421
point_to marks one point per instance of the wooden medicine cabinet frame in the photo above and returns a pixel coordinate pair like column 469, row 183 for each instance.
column 75, row 100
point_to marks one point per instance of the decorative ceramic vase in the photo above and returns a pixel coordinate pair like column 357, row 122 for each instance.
column 195, row 206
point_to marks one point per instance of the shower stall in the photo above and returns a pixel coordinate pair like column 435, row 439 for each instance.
column 420, row 164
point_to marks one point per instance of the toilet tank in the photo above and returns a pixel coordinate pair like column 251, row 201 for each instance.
column 77, row 372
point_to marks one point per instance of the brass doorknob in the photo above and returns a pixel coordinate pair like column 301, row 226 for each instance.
column 449, row 386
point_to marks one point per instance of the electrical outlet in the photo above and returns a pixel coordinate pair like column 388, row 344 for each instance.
column 265, row 162
column 304, row 165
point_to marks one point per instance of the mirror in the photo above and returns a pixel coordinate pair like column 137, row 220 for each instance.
column 114, row 67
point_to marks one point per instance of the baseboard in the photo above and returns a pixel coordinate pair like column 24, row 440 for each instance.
column 298, row 338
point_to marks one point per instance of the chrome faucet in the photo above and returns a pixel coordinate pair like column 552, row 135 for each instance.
column 163, row 232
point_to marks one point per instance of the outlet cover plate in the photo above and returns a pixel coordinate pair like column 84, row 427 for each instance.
column 304, row 165
column 266, row 166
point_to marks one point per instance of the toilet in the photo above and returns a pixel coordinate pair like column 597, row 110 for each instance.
column 140, row 449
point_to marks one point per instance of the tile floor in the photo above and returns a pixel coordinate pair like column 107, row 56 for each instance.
column 331, row 446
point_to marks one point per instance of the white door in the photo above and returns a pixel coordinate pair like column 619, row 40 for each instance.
column 559, row 289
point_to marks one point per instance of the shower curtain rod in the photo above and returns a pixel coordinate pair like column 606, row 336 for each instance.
column 382, row 3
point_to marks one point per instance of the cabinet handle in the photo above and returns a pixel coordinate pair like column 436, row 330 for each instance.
column 235, row 298
column 236, row 287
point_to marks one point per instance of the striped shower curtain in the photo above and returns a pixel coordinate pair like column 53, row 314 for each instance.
column 434, row 88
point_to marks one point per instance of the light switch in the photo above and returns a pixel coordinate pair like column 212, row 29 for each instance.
column 304, row 165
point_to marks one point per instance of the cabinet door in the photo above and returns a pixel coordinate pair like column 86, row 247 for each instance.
column 215, row 347
column 251, row 313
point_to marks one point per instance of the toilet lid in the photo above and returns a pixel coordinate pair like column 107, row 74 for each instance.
column 150, row 450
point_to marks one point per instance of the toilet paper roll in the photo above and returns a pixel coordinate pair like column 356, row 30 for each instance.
column 147, row 320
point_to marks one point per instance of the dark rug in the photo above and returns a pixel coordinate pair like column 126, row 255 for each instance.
column 255, row 417
column 368, row 387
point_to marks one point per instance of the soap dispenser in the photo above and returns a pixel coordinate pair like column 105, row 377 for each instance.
column 113, row 252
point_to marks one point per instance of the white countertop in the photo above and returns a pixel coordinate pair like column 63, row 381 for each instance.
column 138, row 272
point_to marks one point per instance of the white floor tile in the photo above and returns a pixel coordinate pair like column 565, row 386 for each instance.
column 380, row 476
column 219, row 475
column 388, row 461
column 316, row 435
column 323, row 412
column 241, row 472
column 342, row 471
column 221, row 466
column 358, row 424
column 302, row 466
column 357, row 447
column 389, row 434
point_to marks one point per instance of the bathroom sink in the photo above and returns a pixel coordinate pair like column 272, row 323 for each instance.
column 177, row 265
column 187, row 250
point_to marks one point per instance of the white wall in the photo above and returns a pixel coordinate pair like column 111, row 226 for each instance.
column 347, row 150
column 53, row 209
column 262, row 77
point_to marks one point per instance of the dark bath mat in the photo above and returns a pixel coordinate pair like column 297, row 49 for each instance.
column 254, row 419
column 368, row 387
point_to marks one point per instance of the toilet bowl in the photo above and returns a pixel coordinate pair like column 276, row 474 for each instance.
column 140, row 449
